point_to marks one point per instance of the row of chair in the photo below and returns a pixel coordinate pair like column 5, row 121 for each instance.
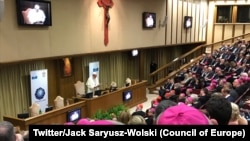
column 35, row 108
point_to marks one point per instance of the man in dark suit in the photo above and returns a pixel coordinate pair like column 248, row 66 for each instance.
column 225, row 91
column 153, row 67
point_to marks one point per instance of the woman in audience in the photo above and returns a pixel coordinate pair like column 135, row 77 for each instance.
column 137, row 120
column 236, row 118
column 124, row 117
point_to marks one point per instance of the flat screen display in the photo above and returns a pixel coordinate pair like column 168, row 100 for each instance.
column 73, row 115
column 50, row 108
column 148, row 20
column 127, row 95
column 23, row 115
column 33, row 12
column 188, row 22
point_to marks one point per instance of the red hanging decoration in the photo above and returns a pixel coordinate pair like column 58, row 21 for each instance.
column 106, row 4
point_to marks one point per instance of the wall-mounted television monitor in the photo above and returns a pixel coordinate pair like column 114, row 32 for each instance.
column 74, row 115
column 50, row 108
column 188, row 22
column 34, row 12
column 148, row 20
column 127, row 95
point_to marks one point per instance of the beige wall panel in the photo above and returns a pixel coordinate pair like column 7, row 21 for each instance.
column 247, row 29
column 223, row 2
column 203, row 21
column 238, row 30
column 174, row 22
column 195, row 26
column 185, row 13
column 218, row 33
column 180, row 23
column 228, row 33
column 189, row 13
column 169, row 24
column 210, row 22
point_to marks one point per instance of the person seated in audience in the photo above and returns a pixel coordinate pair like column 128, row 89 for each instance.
column 181, row 98
column 191, row 82
column 204, row 96
column 219, row 110
column 189, row 91
column 239, row 86
column 181, row 76
column 215, row 63
column 189, row 101
column 206, row 59
column 124, row 117
column 220, row 85
column 169, row 85
column 156, row 101
column 222, row 65
column 113, row 86
column 209, row 76
column 182, row 114
column 212, row 86
column 236, row 118
column 233, row 92
column 149, row 118
column 195, row 98
column 225, row 91
column 224, row 46
column 139, row 111
column 196, row 69
column 137, row 120
column 230, row 56
column 7, row 132
column 128, row 82
column 237, row 70
column 162, row 106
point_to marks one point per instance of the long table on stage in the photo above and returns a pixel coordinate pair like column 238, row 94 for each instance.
column 114, row 98
column 57, row 116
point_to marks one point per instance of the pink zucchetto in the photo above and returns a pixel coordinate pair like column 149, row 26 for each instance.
column 182, row 114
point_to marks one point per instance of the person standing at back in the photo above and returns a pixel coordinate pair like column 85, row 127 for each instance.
column 7, row 131
column 93, row 83
column 153, row 67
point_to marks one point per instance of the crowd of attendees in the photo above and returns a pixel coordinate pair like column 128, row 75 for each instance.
column 213, row 91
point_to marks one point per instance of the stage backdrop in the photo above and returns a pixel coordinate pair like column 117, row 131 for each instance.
column 39, row 88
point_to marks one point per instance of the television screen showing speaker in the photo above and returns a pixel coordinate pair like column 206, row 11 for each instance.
column 127, row 95
column 148, row 20
column 34, row 12
column 188, row 21
column 73, row 115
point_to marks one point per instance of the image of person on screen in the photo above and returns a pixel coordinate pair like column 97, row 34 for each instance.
column 149, row 21
column 188, row 22
column 34, row 15
column 93, row 83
